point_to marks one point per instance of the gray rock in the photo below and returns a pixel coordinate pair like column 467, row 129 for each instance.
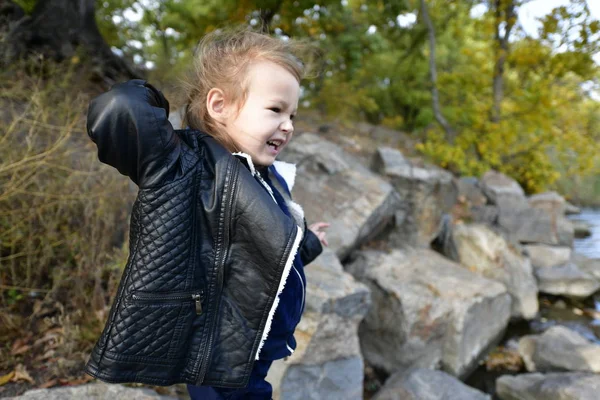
column 93, row 391
column 590, row 266
column 176, row 117
column 553, row 386
column 534, row 225
column 542, row 255
column 427, row 192
column 497, row 186
column 559, row 349
column 469, row 192
column 335, row 380
column 327, row 337
column 486, row 214
column 582, row 229
column 537, row 220
column 551, row 202
column 488, row 254
column 571, row 209
column 566, row 280
column 333, row 186
column 427, row 311
column 426, row 384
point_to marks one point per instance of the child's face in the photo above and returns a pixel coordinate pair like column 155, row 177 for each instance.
column 263, row 125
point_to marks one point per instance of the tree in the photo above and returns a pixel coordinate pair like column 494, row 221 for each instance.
column 56, row 29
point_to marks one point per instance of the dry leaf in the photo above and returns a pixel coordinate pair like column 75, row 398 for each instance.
column 4, row 379
column 20, row 349
column 49, row 384
column 21, row 374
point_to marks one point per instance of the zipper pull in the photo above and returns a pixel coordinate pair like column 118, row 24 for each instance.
column 198, row 299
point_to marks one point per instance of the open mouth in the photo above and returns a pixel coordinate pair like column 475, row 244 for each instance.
column 275, row 143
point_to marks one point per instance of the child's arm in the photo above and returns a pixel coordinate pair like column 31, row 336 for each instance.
column 130, row 127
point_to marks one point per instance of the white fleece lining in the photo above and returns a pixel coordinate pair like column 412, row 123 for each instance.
column 248, row 160
column 286, row 272
column 287, row 172
column 296, row 211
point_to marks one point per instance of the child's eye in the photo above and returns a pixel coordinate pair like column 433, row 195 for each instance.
column 275, row 109
column 292, row 117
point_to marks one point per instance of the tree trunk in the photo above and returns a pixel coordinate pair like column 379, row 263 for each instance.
column 435, row 98
column 55, row 29
column 505, row 15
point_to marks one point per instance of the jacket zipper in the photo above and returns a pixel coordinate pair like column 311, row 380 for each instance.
column 231, row 174
column 195, row 296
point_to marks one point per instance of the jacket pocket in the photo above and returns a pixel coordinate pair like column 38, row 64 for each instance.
column 155, row 325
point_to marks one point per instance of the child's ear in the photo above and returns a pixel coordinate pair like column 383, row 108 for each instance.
column 216, row 105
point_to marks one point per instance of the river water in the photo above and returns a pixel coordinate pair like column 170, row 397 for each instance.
column 590, row 246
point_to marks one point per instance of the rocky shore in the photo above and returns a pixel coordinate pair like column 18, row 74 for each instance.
column 423, row 274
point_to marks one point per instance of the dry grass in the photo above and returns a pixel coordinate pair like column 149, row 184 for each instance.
column 63, row 218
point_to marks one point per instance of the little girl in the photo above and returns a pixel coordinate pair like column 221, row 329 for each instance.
column 214, row 285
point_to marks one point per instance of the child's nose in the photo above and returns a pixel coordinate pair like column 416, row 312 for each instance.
column 287, row 126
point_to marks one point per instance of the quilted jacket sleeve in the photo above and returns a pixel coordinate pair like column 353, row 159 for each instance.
column 130, row 126
column 311, row 247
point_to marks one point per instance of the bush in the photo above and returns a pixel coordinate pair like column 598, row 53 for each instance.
column 63, row 215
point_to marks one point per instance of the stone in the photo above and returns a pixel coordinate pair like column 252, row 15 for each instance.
column 427, row 311
column 497, row 186
column 99, row 391
column 559, row 349
column 551, row 202
column 534, row 225
column 333, row 186
column 469, row 192
column 327, row 362
column 552, row 386
column 542, row 255
column 566, row 280
column 582, row 229
column 427, row 192
column 486, row 214
column 571, row 209
column 590, row 266
column 488, row 254
column 426, row 384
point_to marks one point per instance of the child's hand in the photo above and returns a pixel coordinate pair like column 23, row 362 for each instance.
column 317, row 229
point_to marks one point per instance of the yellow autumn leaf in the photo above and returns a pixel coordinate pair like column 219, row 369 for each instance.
column 4, row 379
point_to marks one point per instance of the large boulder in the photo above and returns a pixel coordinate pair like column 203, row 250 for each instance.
column 333, row 186
column 327, row 363
column 588, row 265
column 553, row 386
column 427, row 192
column 537, row 220
column 566, row 280
column 427, row 312
column 470, row 193
column 552, row 202
column 498, row 187
column 94, row 391
column 426, row 384
column 542, row 255
column 488, row 254
column 559, row 349
column 534, row 225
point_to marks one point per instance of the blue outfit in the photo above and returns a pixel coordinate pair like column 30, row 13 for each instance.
column 280, row 342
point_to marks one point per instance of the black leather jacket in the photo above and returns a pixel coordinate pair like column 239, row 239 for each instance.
column 208, row 251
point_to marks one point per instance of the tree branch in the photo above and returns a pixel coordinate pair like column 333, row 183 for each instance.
column 450, row 133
